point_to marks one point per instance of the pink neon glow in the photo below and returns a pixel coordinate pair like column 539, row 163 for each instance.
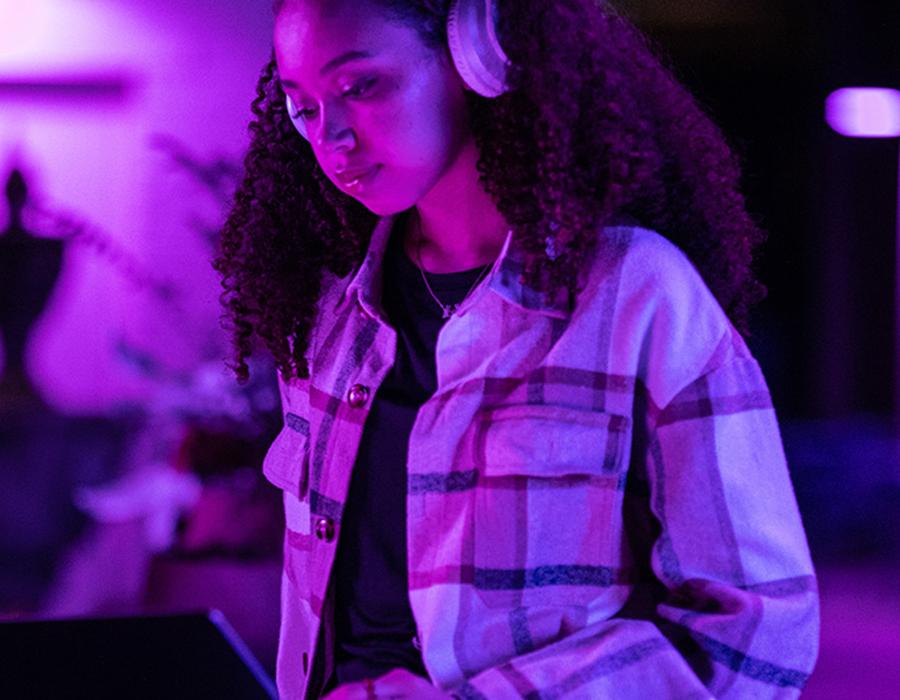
column 21, row 23
column 861, row 112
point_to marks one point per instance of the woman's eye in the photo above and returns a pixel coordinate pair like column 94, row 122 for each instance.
column 304, row 113
column 359, row 88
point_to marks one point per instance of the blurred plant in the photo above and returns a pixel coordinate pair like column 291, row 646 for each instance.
column 190, row 483
column 203, row 427
column 55, row 222
column 218, row 176
column 205, row 396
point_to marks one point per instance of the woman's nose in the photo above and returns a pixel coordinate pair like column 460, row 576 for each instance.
column 335, row 132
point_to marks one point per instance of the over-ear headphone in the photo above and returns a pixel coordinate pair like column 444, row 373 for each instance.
column 477, row 54
column 297, row 120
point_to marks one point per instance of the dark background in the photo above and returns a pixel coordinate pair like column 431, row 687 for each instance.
column 825, row 334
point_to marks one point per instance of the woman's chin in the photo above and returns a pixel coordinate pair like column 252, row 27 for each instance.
column 383, row 208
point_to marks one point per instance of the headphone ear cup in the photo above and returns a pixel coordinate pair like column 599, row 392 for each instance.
column 477, row 54
column 298, row 123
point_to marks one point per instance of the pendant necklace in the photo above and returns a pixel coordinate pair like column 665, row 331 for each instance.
column 447, row 310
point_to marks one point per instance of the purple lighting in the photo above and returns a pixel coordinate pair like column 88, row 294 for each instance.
column 860, row 112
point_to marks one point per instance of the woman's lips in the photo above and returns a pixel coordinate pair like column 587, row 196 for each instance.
column 355, row 179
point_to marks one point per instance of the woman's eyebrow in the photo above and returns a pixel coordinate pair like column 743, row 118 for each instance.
column 342, row 59
column 334, row 63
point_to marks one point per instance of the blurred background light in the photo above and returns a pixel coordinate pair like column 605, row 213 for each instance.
column 21, row 24
column 864, row 112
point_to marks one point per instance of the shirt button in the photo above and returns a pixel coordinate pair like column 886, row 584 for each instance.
column 358, row 395
column 325, row 529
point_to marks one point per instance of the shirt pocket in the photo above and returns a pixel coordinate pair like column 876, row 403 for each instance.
column 546, row 504
column 286, row 464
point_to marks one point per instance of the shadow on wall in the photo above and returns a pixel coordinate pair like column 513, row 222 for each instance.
column 159, row 506
column 44, row 454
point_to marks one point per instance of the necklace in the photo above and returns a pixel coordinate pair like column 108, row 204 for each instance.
column 447, row 309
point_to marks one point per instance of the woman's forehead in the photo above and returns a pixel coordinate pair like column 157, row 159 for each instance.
column 310, row 34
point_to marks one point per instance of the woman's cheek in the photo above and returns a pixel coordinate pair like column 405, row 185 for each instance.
column 395, row 135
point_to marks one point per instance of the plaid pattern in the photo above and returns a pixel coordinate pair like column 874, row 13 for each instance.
column 598, row 502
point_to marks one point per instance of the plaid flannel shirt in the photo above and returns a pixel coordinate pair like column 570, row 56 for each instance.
column 598, row 504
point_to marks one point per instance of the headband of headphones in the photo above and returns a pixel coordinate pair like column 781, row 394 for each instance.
column 477, row 54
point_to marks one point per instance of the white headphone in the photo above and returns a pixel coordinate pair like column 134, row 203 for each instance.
column 477, row 54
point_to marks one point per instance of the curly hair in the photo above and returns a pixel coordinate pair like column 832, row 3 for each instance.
column 594, row 127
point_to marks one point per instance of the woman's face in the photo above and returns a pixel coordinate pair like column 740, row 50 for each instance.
column 385, row 113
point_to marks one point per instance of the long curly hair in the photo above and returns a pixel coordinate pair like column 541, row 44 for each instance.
column 595, row 126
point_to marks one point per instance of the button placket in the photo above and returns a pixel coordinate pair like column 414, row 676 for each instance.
column 324, row 527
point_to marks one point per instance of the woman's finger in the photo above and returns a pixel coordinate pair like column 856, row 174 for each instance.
column 399, row 684
column 350, row 691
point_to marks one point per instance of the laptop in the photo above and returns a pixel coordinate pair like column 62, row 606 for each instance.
column 197, row 655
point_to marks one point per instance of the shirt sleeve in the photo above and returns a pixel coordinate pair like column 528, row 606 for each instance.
column 735, row 611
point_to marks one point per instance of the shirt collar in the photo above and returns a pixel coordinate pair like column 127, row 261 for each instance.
column 365, row 284
column 505, row 278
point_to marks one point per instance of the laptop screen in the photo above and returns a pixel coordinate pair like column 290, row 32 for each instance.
column 167, row 656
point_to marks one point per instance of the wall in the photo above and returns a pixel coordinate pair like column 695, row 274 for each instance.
column 85, row 87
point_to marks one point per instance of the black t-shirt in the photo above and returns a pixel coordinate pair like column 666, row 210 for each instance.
column 374, row 625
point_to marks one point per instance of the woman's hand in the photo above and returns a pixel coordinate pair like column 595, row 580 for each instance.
column 398, row 684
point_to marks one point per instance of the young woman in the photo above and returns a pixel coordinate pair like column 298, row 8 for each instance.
column 500, row 256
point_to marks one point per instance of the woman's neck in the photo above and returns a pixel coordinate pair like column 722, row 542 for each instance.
column 456, row 226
